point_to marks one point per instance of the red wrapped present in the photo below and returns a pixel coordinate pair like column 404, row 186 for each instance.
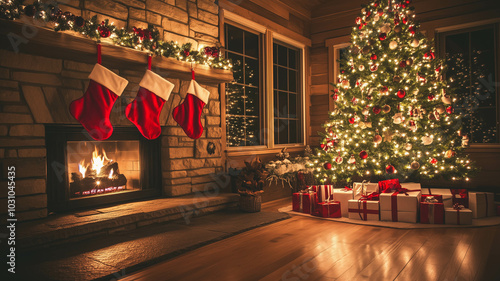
column 431, row 211
column 438, row 197
column 329, row 209
column 304, row 202
column 388, row 186
column 460, row 197
column 324, row 192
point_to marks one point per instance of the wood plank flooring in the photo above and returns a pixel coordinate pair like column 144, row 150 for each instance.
column 303, row 248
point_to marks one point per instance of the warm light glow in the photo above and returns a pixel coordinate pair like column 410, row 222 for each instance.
column 98, row 160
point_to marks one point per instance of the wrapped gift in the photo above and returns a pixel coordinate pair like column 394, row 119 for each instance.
column 360, row 189
column 460, row 196
column 431, row 211
column 304, row 202
column 481, row 204
column 389, row 185
column 441, row 194
column 401, row 205
column 329, row 209
column 411, row 185
column 457, row 215
column 343, row 195
column 362, row 209
column 324, row 192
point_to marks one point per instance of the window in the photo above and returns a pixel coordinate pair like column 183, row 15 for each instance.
column 471, row 58
column 286, row 98
column 264, row 103
column 243, row 95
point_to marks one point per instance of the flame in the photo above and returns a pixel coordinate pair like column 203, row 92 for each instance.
column 98, row 160
column 82, row 168
column 110, row 174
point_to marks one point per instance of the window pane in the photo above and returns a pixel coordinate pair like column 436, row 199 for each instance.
column 282, row 56
column 292, row 81
column 276, row 102
column 283, row 131
column 251, row 44
column 276, row 131
column 275, row 77
column 275, row 53
column 252, row 72
column 235, row 130
column 483, row 66
column 292, row 59
column 251, row 101
column 292, row 106
column 283, row 105
column 293, row 131
column 234, row 99
column 483, row 126
column 252, row 131
column 237, row 67
column 282, row 79
column 234, row 38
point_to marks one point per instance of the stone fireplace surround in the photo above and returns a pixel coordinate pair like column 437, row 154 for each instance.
column 37, row 85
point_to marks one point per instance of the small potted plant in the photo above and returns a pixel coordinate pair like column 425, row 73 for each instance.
column 250, row 185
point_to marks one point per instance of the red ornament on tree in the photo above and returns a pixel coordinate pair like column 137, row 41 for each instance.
column 376, row 109
column 380, row 12
column 449, row 109
column 401, row 94
column 363, row 154
column 433, row 161
column 402, row 63
column 358, row 20
column 390, row 169
column 430, row 97
column 373, row 57
column 373, row 67
column 412, row 29
column 352, row 120
column 382, row 36
column 405, row 20
column 384, row 90
column 327, row 166
column 335, row 97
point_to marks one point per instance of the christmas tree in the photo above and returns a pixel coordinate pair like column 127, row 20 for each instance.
column 394, row 115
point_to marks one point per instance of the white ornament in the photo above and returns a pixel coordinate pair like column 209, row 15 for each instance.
column 427, row 140
column 351, row 160
column 386, row 28
column 393, row 45
column 414, row 43
column 398, row 118
column 376, row 17
column 408, row 146
column 446, row 99
column 465, row 141
column 361, row 67
column 339, row 160
column 365, row 111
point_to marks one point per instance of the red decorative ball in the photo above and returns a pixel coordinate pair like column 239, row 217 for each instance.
column 433, row 161
column 352, row 120
column 401, row 94
column 430, row 96
column 396, row 21
column 363, row 154
column 335, row 97
column 368, row 14
column 449, row 109
column 79, row 22
column 405, row 20
column 186, row 53
column 390, row 169
column 376, row 109
column 402, row 63
column 104, row 31
column 358, row 20
column 327, row 166
column 373, row 67
column 412, row 29
column 373, row 57
column 382, row 36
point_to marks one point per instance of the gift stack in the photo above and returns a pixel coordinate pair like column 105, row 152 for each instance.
column 458, row 215
column 482, row 204
column 443, row 195
column 343, row 195
column 365, row 204
column 398, row 203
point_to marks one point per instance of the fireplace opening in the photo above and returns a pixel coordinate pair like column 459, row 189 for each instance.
column 83, row 173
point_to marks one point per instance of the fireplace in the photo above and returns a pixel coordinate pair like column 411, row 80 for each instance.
column 83, row 173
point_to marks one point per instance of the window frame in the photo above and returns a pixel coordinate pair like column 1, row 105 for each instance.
column 440, row 39
column 268, row 37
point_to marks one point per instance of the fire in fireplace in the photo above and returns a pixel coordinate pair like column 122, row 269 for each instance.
column 83, row 172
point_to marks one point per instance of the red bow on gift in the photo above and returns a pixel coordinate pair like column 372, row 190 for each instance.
column 346, row 188
column 389, row 186
column 374, row 196
column 461, row 192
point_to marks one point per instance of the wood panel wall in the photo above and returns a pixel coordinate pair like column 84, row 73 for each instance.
column 335, row 20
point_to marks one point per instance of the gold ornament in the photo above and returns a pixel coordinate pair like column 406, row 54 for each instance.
column 386, row 108
column 377, row 139
column 450, row 153
column 388, row 135
column 408, row 146
column 415, row 165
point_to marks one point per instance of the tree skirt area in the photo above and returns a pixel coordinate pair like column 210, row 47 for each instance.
column 482, row 222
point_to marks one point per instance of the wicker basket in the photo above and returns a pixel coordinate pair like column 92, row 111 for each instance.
column 250, row 203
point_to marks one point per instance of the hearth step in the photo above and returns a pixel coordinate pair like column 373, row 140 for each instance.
column 67, row 228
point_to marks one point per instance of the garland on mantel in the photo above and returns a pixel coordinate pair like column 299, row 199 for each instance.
column 139, row 39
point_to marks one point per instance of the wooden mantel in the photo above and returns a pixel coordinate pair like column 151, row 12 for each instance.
column 48, row 43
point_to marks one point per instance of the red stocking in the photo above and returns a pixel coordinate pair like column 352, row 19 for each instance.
column 92, row 110
column 188, row 114
column 145, row 110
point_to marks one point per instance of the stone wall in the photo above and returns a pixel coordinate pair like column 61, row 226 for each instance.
column 37, row 90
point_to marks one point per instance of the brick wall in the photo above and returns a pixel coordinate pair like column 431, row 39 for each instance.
column 37, row 90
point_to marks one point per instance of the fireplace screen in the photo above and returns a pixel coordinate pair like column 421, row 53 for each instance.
column 96, row 168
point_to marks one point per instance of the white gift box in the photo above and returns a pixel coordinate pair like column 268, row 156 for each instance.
column 363, row 209
column 411, row 185
column 482, row 204
column 343, row 196
column 462, row 217
column 402, row 207
column 363, row 188
column 444, row 192
column 324, row 192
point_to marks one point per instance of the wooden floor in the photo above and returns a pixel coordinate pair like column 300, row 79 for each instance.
column 303, row 248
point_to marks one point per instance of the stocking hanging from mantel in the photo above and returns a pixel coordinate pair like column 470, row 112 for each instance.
column 145, row 110
column 188, row 114
column 92, row 110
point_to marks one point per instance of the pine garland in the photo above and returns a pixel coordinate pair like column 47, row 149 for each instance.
column 140, row 39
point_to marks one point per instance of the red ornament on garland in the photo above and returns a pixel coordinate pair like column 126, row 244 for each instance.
column 327, row 166
column 401, row 94
column 186, row 53
column 390, row 169
column 376, row 109
column 103, row 31
column 363, row 154
column 79, row 22
column 382, row 36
